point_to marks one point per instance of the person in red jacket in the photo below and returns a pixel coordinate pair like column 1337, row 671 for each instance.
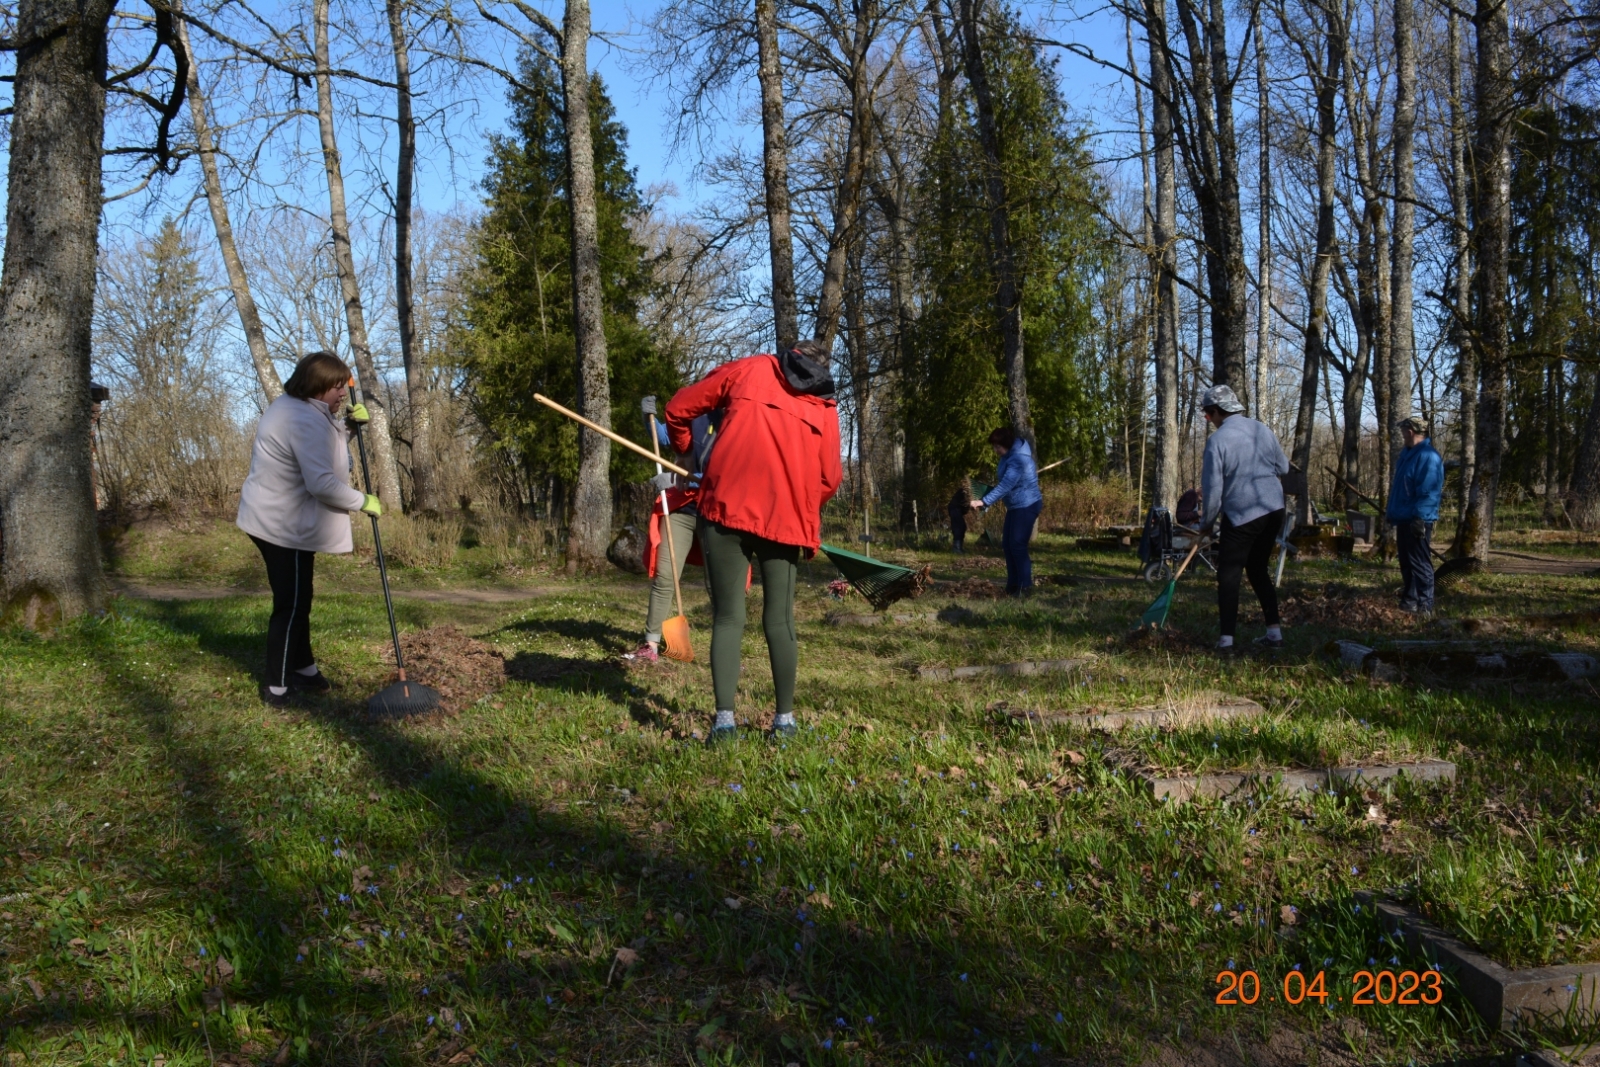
column 775, row 465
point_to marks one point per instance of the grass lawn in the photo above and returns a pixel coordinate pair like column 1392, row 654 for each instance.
column 564, row 873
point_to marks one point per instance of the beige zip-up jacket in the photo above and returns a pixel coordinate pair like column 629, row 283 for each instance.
column 298, row 492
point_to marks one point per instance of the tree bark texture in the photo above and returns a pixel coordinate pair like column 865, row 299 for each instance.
column 1164, row 259
column 848, row 194
column 775, row 175
column 1461, row 334
column 1002, row 257
column 424, row 491
column 1402, row 334
column 49, row 551
column 1211, row 154
column 1263, row 224
column 590, row 532
column 238, row 280
column 1492, row 242
column 1327, row 246
column 380, row 438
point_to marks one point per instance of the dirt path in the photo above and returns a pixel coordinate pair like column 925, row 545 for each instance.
column 1522, row 563
column 183, row 591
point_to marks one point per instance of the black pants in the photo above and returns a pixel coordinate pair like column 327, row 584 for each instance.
column 289, row 632
column 958, row 528
column 1414, row 539
column 1247, row 549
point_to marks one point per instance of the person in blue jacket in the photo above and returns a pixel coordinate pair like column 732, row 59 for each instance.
column 1413, row 509
column 1016, row 486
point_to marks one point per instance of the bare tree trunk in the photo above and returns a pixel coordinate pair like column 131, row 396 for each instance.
column 1263, row 224
column 344, row 261
column 238, row 281
column 1164, row 259
column 775, row 173
column 590, row 533
column 1492, row 187
column 1466, row 355
column 424, row 493
column 1585, row 506
column 856, row 342
column 847, row 198
column 49, row 551
column 1002, row 257
column 1402, row 338
column 1327, row 247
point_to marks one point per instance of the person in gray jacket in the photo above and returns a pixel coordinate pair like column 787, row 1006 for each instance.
column 1239, row 481
column 295, row 503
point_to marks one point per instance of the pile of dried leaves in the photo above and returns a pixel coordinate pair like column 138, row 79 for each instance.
column 970, row 589
column 1341, row 606
column 463, row 669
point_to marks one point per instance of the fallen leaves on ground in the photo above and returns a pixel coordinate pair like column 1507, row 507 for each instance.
column 462, row 669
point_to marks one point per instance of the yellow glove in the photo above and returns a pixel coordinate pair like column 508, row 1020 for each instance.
column 371, row 506
column 358, row 414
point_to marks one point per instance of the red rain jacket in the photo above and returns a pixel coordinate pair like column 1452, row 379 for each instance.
column 677, row 500
column 776, row 460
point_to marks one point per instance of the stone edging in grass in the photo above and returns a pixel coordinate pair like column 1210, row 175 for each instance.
column 1022, row 669
column 1388, row 662
column 1502, row 996
column 1217, row 786
column 862, row 619
column 1217, row 710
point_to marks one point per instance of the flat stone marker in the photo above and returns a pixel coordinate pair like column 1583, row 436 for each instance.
column 1503, row 997
column 1022, row 669
column 947, row 615
column 1183, row 787
column 1387, row 663
column 1207, row 709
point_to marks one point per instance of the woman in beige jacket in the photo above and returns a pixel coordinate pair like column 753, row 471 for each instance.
column 295, row 503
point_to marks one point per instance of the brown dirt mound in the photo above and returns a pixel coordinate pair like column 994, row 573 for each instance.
column 1167, row 639
column 970, row 589
column 463, row 669
column 1345, row 608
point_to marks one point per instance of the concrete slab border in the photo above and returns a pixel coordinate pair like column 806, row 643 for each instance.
column 1505, row 998
column 1287, row 780
column 1218, row 709
column 1022, row 669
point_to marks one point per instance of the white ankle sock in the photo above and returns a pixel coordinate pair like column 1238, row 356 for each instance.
column 277, row 690
column 783, row 719
column 307, row 672
column 1225, row 642
column 1275, row 632
column 724, row 720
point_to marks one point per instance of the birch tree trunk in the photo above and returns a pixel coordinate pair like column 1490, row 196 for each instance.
column 388, row 487
column 1492, row 239
column 775, row 174
column 590, row 532
column 1466, row 355
column 1327, row 247
column 238, row 280
column 1402, row 337
column 1164, row 258
column 49, row 550
column 424, row 492
column 1002, row 257
column 847, row 197
column 1263, row 224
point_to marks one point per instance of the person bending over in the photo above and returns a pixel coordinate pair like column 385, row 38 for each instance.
column 1412, row 511
column 1239, row 481
column 775, row 465
column 295, row 503
column 1016, row 486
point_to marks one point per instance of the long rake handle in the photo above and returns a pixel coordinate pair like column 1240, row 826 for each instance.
column 602, row 431
column 666, row 519
column 377, row 542
column 1185, row 564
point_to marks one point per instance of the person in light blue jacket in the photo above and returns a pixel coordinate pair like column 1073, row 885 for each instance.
column 1016, row 486
column 1412, row 511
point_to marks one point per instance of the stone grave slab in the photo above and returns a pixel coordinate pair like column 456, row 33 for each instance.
column 1220, row 785
column 1209, row 708
column 1020, row 669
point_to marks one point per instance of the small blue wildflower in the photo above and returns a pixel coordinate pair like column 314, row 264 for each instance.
column 202, row 952
column 827, row 1042
column 430, row 1020
column 1216, row 907
column 869, row 1020
column 963, row 976
column 1058, row 1016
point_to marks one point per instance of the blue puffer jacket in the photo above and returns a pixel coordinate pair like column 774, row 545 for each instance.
column 1418, row 485
column 1017, row 479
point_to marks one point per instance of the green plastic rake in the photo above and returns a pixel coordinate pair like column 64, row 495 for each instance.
column 881, row 583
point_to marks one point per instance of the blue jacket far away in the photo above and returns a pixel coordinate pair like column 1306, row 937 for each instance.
column 1017, row 479
column 1418, row 484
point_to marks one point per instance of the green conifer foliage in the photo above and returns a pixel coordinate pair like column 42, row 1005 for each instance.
column 518, row 332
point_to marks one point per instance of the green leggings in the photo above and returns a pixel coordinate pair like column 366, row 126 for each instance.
column 728, row 553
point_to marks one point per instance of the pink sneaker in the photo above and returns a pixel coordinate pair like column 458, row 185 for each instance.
column 643, row 654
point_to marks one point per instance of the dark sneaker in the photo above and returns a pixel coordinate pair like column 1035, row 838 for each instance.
column 1226, row 651
column 783, row 732
column 1268, row 642
column 311, row 683
column 276, row 700
column 721, row 735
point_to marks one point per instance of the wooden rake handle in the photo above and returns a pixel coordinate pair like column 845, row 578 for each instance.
column 1195, row 547
column 602, row 431
column 666, row 520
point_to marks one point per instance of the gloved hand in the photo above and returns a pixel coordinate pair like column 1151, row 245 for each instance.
column 358, row 415
column 371, row 506
column 664, row 481
column 648, row 405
